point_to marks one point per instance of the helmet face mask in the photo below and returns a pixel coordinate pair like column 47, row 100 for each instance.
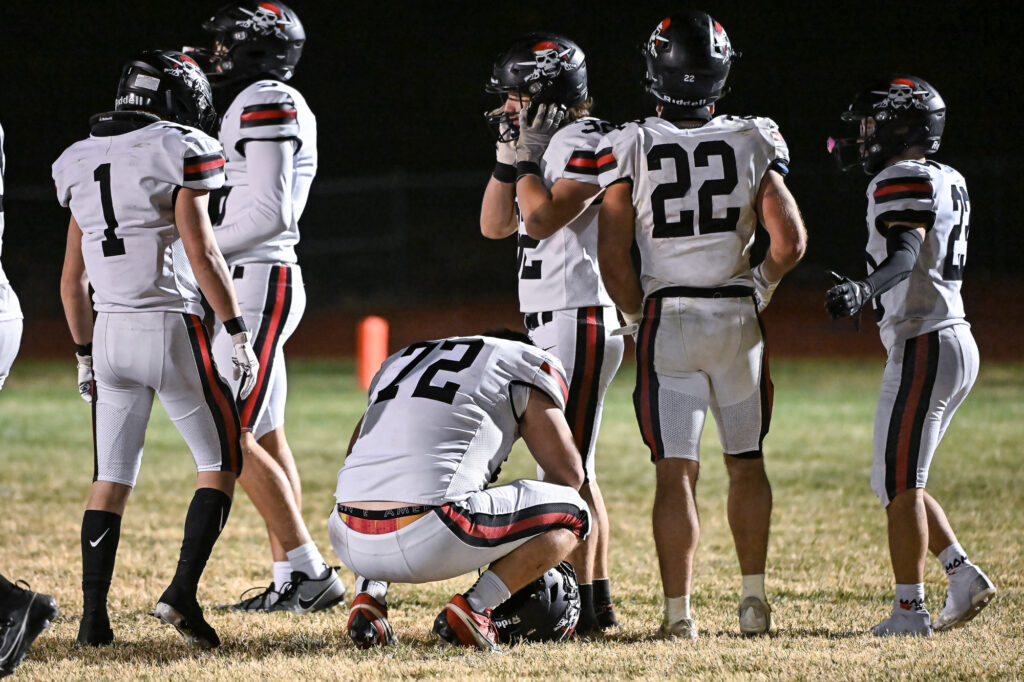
column 543, row 68
column 893, row 116
column 169, row 84
column 688, row 59
column 252, row 39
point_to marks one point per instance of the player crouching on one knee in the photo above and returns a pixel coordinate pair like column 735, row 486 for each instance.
column 918, row 221
column 414, row 504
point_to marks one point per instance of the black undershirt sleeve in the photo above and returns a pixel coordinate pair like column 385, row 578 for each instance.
column 903, row 245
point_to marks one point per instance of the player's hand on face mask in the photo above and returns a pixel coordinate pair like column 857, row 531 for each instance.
column 245, row 364
column 847, row 297
column 85, row 377
column 534, row 136
column 504, row 151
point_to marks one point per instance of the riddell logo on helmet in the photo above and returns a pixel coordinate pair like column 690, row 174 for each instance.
column 507, row 622
column 132, row 99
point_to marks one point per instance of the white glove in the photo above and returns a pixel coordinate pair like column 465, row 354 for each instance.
column 504, row 151
column 632, row 325
column 534, row 137
column 85, row 377
column 763, row 288
column 246, row 366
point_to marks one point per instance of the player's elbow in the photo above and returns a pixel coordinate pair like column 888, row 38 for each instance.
column 539, row 227
column 569, row 473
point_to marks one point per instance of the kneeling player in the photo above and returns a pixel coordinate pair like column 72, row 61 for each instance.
column 413, row 502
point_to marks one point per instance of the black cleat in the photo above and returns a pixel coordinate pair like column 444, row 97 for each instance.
column 588, row 625
column 606, row 616
column 185, row 614
column 23, row 615
column 94, row 630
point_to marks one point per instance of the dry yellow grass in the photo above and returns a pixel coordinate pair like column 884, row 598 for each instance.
column 828, row 579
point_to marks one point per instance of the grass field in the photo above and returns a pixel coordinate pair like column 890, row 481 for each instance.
column 829, row 577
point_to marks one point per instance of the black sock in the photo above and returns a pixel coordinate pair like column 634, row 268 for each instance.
column 602, row 592
column 587, row 600
column 101, row 533
column 205, row 519
column 6, row 587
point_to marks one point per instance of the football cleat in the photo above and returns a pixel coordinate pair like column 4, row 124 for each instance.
column 94, row 630
column 684, row 628
column 22, row 617
column 755, row 617
column 368, row 624
column 186, row 616
column 307, row 595
column 913, row 622
column 606, row 616
column 258, row 603
column 459, row 625
column 956, row 613
column 587, row 625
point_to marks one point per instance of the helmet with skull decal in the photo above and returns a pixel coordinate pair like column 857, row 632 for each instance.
column 169, row 84
column 547, row 68
column 253, row 39
column 891, row 116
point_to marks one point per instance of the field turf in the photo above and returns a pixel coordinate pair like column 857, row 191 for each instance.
column 828, row 573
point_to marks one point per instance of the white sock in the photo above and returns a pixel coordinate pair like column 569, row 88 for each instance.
column 953, row 559
column 753, row 586
column 487, row 592
column 677, row 608
column 910, row 597
column 307, row 559
column 282, row 574
column 378, row 589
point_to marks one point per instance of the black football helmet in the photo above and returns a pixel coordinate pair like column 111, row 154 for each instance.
column 253, row 39
column 688, row 58
column 547, row 68
column 169, row 84
column 889, row 117
column 546, row 610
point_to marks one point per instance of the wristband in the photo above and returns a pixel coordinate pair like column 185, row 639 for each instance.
column 236, row 325
column 504, row 172
column 83, row 348
column 527, row 168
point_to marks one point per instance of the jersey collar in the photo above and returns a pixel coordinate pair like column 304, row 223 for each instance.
column 120, row 122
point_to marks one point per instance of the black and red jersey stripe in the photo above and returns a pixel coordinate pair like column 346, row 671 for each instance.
column 480, row 529
column 278, row 113
column 582, row 162
column 202, row 167
column 605, row 160
column 559, row 379
column 902, row 188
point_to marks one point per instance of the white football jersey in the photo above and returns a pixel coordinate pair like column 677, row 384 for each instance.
column 10, row 307
column 935, row 195
column 121, row 190
column 694, row 191
column 266, row 110
column 561, row 271
column 442, row 418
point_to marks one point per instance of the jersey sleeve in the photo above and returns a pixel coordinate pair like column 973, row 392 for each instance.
column 268, row 113
column 60, row 181
column 202, row 165
column 778, row 150
column 615, row 154
column 904, row 192
column 577, row 149
column 544, row 372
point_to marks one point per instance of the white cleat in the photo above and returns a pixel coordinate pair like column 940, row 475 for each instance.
column 905, row 622
column 683, row 628
column 958, row 612
column 755, row 617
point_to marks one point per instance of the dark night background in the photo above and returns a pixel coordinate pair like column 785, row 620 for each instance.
column 404, row 153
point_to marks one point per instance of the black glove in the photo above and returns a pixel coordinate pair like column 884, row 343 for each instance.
column 847, row 297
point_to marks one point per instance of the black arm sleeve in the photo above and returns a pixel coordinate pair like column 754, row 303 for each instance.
column 903, row 244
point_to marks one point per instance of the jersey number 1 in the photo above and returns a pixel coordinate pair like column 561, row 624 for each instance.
column 112, row 244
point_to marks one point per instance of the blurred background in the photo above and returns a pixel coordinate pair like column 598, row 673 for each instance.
column 391, row 224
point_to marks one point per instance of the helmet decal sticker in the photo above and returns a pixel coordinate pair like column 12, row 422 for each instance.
column 652, row 42
column 549, row 60
column 265, row 20
column 902, row 94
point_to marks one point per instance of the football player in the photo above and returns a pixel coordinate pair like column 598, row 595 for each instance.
column 413, row 502
column 23, row 615
column 696, row 186
column 269, row 137
column 542, row 190
column 918, row 221
column 140, row 236
column 10, row 307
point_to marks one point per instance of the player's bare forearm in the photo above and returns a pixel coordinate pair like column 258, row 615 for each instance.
column 780, row 215
column 549, row 439
column 74, row 287
column 497, row 211
column 614, row 241
column 545, row 213
column 208, row 265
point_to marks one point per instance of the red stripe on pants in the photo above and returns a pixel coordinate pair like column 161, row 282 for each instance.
column 269, row 346
column 213, row 381
column 909, row 412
